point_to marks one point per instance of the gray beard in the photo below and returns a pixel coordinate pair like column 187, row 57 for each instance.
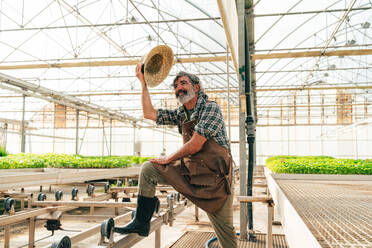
column 187, row 97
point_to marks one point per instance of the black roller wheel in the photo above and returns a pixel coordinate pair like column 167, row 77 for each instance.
column 41, row 197
column 126, row 199
column 65, row 242
column 58, row 195
column 90, row 190
column 8, row 203
column 107, row 187
column 106, row 227
column 74, row 193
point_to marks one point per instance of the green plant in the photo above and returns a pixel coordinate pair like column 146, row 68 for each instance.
column 15, row 161
column 318, row 165
column 3, row 151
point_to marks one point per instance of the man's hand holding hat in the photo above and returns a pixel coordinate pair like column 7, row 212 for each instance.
column 140, row 75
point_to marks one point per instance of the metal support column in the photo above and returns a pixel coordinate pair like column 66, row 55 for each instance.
column 246, row 44
column 228, row 92
column 23, row 135
column 4, row 135
column 77, row 133
column 103, row 137
column 134, row 139
column 250, row 126
column 110, row 152
column 242, row 111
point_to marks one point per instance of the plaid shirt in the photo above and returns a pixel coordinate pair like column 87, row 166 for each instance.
column 210, row 119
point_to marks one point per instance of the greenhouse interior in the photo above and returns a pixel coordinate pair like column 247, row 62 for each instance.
column 292, row 80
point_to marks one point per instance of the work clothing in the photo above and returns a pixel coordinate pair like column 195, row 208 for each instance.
column 222, row 220
column 204, row 177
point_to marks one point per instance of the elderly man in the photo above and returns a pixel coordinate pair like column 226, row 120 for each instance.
column 201, row 169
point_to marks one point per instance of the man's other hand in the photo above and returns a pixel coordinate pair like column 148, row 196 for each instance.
column 160, row 160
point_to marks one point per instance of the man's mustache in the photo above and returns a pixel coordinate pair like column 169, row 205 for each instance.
column 183, row 91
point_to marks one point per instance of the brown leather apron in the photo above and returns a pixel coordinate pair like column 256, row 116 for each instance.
column 204, row 177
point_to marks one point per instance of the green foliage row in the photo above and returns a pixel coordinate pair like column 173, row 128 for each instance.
column 318, row 165
column 52, row 160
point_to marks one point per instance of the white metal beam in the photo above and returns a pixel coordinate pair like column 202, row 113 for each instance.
column 229, row 18
column 20, row 86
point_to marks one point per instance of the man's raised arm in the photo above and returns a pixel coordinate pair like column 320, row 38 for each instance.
column 149, row 112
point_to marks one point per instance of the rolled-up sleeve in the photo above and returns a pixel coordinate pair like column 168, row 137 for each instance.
column 210, row 121
column 167, row 117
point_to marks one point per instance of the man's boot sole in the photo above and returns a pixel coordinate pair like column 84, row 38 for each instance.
column 143, row 234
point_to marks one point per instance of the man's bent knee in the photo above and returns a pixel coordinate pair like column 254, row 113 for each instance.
column 147, row 168
column 150, row 173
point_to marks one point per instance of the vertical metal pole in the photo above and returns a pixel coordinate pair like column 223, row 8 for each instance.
column 242, row 112
column 365, row 109
column 29, row 202
column 163, row 150
column 321, row 127
column 158, row 237
column 103, row 137
column 31, row 232
column 250, row 129
column 29, row 144
column 7, row 236
column 308, row 107
column 269, row 236
column 110, row 153
column 23, row 137
column 281, row 112
column 196, row 213
column 355, row 111
column 5, row 136
column 77, row 133
column 116, row 200
column 294, row 108
column 228, row 91
column 288, row 146
column 356, row 140
column 134, row 138
column 281, row 127
column 54, row 128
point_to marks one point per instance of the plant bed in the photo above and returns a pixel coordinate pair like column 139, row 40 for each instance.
column 318, row 165
column 52, row 160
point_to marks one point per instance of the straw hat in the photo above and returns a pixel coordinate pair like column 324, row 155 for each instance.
column 157, row 64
